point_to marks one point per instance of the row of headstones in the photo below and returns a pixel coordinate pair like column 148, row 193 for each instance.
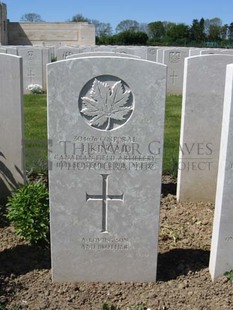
column 106, row 123
column 35, row 60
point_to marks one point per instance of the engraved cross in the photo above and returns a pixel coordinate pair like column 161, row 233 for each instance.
column 174, row 76
column 105, row 197
column 31, row 75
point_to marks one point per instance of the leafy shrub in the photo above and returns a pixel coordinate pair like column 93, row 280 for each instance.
column 28, row 210
column 229, row 275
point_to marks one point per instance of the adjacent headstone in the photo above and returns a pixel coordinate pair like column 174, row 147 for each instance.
column 2, row 50
column 11, row 125
column 217, row 51
column 174, row 59
column 221, row 256
column 13, row 50
column 194, row 52
column 32, row 66
column 159, row 56
column 46, row 59
column 134, row 50
column 106, row 124
column 202, row 109
column 110, row 54
column 63, row 52
column 152, row 53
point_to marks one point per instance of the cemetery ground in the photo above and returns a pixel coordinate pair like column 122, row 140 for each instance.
column 183, row 279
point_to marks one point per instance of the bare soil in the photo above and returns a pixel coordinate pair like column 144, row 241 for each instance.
column 183, row 279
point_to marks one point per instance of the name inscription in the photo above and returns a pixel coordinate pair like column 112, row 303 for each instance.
column 98, row 244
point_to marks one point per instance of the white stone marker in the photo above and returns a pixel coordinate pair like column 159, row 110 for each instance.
column 202, row 108
column 11, row 124
column 32, row 66
column 152, row 53
column 88, row 54
column 221, row 256
column 174, row 59
column 106, row 123
column 64, row 51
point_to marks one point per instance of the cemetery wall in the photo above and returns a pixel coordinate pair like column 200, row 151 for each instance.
column 14, row 33
column 51, row 34
column 3, row 24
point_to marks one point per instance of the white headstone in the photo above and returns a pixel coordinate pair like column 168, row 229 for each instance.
column 159, row 56
column 46, row 59
column 13, row 50
column 221, row 256
column 217, row 51
column 2, row 50
column 63, row 52
column 194, row 52
column 106, row 123
column 201, row 123
column 110, row 54
column 174, row 59
column 152, row 53
column 11, row 124
column 32, row 66
column 140, row 51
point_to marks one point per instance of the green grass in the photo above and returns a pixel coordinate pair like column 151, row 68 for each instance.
column 172, row 135
column 36, row 133
column 35, row 129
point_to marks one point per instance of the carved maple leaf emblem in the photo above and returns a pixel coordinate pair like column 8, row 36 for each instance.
column 106, row 105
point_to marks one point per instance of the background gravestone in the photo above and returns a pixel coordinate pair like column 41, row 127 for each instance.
column 32, row 66
column 174, row 59
column 64, row 51
column 106, row 122
column 11, row 124
column 152, row 53
column 221, row 257
column 201, row 124
column 110, row 54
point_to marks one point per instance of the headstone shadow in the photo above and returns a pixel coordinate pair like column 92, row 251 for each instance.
column 23, row 259
column 168, row 188
column 178, row 262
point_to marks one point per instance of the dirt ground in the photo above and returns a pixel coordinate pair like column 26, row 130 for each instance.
column 183, row 280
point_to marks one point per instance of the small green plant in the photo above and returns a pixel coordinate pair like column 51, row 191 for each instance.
column 229, row 275
column 28, row 210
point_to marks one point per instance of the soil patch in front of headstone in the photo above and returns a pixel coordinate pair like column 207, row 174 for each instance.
column 183, row 279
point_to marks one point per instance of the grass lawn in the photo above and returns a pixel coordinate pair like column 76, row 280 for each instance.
column 35, row 129
column 172, row 135
column 35, row 116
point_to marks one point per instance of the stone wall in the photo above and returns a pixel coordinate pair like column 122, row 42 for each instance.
column 46, row 34
column 51, row 34
column 3, row 24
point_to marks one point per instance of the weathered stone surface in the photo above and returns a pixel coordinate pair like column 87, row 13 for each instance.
column 11, row 124
column 221, row 257
column 106, row 122
column 201, row 126
column 32, row 66
column 110, row 54
column 174, row 59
